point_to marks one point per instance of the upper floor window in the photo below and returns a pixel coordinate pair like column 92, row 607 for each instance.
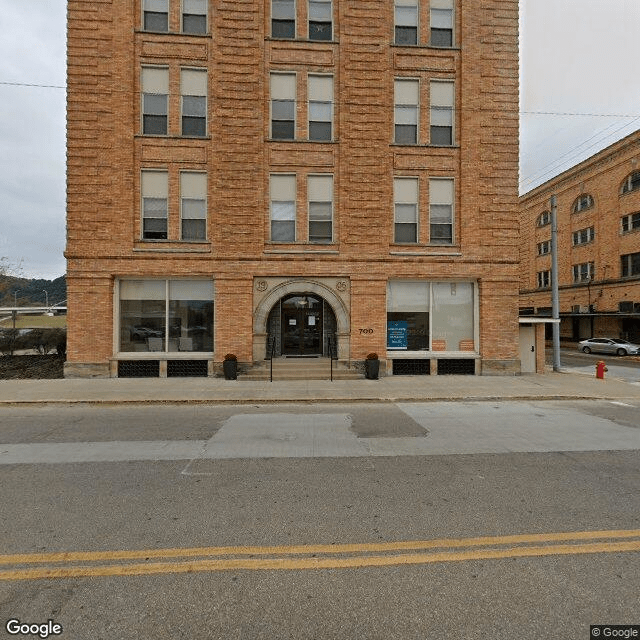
column 543, row 279
column 282, row 190
column 441, row 194
column 583, row 236
column 442, row 106
column 320, row 107
column 406, row 22
column 320, row 20
column 407, row 102
column 543, row 219
column 283, row 106
column 441, row 23
column 155, row 99
column 544, row 248
column 154, row 189
column 583, row 272
column 320, row 194
column 405, row 197
column 194, row 16
column 283, row 19
column 193, row 205
column 582, row 203
column 193, row 89
column 631, row 182
column 630, row 222
column 155, row 15
column 630, row 265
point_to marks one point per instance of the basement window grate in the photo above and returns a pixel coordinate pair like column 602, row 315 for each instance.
column 138, row 368
column 458, row 367
column 187, row 369
column 411, row 367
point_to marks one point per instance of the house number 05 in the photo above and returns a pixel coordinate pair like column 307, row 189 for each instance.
column 366, row 330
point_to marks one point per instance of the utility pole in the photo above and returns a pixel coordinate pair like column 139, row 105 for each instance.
column 47, row 297
column 555, row 301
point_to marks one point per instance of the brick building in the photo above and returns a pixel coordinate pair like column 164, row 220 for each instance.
column 598, row 212
column 286, row 172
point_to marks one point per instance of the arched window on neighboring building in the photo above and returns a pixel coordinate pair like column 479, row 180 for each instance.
column 631, row 183
column 582, row 203
column 543, row 219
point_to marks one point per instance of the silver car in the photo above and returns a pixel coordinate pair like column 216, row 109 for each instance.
column 609, row 345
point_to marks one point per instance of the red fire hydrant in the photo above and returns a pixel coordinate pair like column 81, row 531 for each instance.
column 601, row 367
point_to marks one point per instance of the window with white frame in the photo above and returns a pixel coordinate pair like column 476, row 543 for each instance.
column 320, row 107
column 155, row 15
column 408, row 306
column 543, row 219
column 631, row 183
column 193, row 205
column 441, row 23
column 407, row 101
column 441, row 199
column 283, row 19
column 583, row 236
column 442, row 108
column 583, row 272
column 630, row 265
column 320, row 195
column 405, row 198
column 155, row 100
column 193, row 89
column 630, row 222
column 582, row 203
column 283, row 207
column 406, row 22
column 283, row 106
column 154, row 189
column 194, row 16
column 544, row 247
column 166, row 316
column 543, row 279
column 320, row 20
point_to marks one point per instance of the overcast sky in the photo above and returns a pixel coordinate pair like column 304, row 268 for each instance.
column 579, row 94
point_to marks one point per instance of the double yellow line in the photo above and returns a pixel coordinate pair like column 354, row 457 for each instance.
column 338, row 556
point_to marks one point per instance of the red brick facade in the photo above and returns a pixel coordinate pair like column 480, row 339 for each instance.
column 107, row 150
column 595, row 226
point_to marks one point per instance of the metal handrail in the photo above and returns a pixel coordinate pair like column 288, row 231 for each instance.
column 332, row 350
column 271, row 350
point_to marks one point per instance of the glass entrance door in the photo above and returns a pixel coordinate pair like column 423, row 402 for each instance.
column 301, row 326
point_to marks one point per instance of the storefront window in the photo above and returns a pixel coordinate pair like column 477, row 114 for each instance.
column 436, row 316
column 408, row 316
column 148, row 307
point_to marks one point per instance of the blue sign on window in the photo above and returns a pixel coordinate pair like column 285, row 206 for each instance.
column 397, row 334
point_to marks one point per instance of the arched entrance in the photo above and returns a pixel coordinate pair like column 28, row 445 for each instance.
column 301, row 325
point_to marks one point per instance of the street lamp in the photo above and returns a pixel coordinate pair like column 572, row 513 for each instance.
column 47, row 298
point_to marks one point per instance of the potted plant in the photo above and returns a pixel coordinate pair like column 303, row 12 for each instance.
column 371, row 366
column 230, row 367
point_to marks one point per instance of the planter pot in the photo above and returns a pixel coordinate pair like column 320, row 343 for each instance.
column 230, row 368
column 371, row 369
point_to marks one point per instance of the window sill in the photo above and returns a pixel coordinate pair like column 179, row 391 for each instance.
column 171, row 246
column 396, row 45
column 401, row 354
column 156, row 136
column 301, row 141
column 301, row 40
column 174, row 33
column 163, row 355
column 425, row 146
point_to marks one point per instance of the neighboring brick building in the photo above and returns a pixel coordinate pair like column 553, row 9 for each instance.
column 598, row 245
column 295, row 170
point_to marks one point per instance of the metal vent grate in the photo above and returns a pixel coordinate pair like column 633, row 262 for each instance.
column 138, row 368
column 187, row 368
column 460, row 367
column 411, row 367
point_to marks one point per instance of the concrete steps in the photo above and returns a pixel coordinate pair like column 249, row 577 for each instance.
column 301, row 369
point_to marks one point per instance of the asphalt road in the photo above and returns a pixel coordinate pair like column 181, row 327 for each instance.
column 622, row 367
column 527, row 543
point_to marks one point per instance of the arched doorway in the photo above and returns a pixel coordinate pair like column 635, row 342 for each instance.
column 301, row 325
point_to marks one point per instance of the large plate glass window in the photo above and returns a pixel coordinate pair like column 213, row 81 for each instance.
column 166, row 316
column 408, row 315
column 452, row 322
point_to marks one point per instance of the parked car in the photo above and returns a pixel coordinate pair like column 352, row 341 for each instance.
column 609, row 345
column 141, row 333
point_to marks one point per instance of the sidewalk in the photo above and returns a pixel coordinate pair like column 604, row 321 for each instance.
column 550, row 386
